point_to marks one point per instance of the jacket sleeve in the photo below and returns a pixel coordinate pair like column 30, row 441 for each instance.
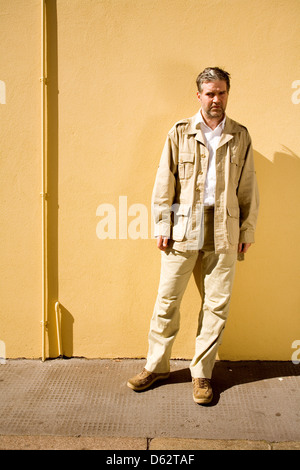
column 248, row 197
column 164, row 188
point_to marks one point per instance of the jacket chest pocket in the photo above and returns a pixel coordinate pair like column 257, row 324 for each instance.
column 236, row 166
column 186, row 165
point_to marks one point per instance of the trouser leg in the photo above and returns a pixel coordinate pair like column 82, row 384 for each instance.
column 217, row 271
column 176, row 269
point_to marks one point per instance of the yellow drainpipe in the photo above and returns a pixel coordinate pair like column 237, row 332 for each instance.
column 43, row 193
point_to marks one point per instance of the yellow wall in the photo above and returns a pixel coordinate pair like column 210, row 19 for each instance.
column 120, row 73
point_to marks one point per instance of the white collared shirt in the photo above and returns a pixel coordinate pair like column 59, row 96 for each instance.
column 212, row 139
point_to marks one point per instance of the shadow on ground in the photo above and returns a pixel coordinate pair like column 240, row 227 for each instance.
column 228, row 374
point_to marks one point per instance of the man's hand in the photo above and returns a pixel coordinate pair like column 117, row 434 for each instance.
column 162, row 242
column 243, row 247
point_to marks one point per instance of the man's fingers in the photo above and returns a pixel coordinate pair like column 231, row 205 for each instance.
column 162, row 242
column 243, row 247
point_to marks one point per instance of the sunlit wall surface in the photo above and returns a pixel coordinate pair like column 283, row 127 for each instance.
column 120, row 73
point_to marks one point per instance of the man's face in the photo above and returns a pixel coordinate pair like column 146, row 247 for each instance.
column 213, row 98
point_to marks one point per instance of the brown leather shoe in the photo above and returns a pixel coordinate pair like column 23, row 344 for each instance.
column 202, row 392
column 145, row 379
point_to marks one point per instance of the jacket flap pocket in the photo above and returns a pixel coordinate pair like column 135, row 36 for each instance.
column 233, row 212
column 181, row 209
column 185, row 157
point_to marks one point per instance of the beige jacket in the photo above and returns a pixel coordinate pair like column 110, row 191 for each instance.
column 177, row 200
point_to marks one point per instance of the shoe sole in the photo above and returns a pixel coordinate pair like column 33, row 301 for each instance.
column 203, row 401
column 144, row 387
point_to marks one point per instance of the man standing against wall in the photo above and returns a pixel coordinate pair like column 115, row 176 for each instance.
column 205, row 204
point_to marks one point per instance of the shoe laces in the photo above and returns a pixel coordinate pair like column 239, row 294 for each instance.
column 144, row 374
column 201, row 382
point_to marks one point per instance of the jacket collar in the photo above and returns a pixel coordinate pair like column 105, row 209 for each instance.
column 231, row 127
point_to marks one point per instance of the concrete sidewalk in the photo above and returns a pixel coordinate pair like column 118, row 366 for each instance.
column 85, row 404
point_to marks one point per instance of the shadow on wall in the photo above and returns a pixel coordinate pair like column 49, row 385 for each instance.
column 279, row 190
column 264, row 312
column 66, row 327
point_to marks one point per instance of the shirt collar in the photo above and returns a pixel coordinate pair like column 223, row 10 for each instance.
column 200, row 120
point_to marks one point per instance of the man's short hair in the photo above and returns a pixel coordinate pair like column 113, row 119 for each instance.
column 211, row 74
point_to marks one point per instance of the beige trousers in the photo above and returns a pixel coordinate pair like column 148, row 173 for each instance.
column 216, row 282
